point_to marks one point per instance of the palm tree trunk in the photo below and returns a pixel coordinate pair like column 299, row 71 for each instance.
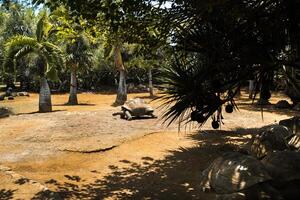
column 122, row 88
column 150, row 82
column 73, row 89
column 265, row 92
column 45, row 104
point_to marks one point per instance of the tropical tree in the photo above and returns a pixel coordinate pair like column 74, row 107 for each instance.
column 16, row 19
column 221, row 44
column 120, row 22
column 71, row 33
column 48, row 58
column 78, row 57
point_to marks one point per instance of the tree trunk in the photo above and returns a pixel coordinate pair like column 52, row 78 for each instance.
column 150, row 82
column 45, row 104
column 251, row 89
column 265, row 92
column 73, row 89
column 122, row 89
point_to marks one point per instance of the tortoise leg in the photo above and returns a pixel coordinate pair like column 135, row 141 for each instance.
column 122, row 115
column 128, row 115
column 117, row 113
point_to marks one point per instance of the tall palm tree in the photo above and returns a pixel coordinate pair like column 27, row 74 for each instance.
column 78, row 57
column 48, row 58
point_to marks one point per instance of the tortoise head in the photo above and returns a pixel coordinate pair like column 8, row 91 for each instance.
column 149, row 110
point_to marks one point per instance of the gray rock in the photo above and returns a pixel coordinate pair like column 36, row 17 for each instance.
column 282, row 104
column 21, row 94
column 4, row 112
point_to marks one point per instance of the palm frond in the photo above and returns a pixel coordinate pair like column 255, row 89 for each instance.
column 17, row 47
column 43, row 28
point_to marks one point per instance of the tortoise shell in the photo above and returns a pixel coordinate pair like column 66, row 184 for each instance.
column 137, row 107
column 233, row 172
column 268, row 141
column 283, row 166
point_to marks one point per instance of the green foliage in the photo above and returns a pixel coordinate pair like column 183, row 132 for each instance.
column 50, row 55
column 225, row 43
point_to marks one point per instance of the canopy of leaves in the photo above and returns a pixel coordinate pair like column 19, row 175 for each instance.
column 233, row 41
column 49, row 55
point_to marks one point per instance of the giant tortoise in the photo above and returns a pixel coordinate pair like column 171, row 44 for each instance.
column 135, row 108
column 284, row 168
column 272, row 138
column 238, row 176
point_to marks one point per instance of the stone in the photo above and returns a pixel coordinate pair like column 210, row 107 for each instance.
column 4, row 112
column 21, row 94
column 10, row 98
column 282, row 104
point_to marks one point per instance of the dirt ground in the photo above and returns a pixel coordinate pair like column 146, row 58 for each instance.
column 83, row 152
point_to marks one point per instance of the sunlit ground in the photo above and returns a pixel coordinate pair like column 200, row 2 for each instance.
column 83, row 152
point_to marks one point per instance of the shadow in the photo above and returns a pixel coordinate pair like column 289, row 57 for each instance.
column 22, row 181
column 147, row 97
column 244, row 103
column 267, row 108
column 177, row 176
column 6, row 194
column 37, row 112
column 80, row 104
column 115, row 104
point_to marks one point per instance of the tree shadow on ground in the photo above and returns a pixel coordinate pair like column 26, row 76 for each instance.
column 6, row 194
column 247, row 104
column 79, row 104
column 268, row 108
column 177, row 176
column 37, row 112
column 147, row 97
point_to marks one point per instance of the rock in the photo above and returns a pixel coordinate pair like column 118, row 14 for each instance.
column 282, row 104
column 4, row 112
column 21, row 94
column 2, row 97
column 293, row 124
column 10, row 98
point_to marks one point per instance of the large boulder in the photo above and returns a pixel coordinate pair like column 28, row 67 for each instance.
column 10, row 98
column 4, row 112
column 282, row 104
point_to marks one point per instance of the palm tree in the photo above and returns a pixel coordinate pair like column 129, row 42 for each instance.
column 78, row 57
column 220, row 52
column 48, row 58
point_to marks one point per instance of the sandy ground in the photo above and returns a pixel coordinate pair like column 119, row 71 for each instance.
column 82, row 152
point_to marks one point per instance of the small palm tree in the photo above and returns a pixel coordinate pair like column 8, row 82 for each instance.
column 48, row 58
